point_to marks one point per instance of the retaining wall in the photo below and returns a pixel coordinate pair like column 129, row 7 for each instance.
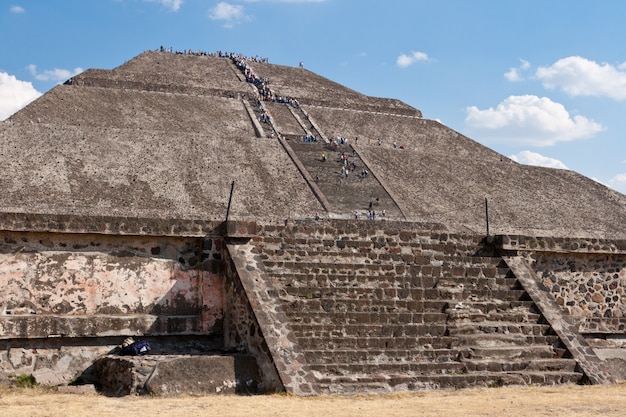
column 71, row 298
column 586, row 277
column 68, row 298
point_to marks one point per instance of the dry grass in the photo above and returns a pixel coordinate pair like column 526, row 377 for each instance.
column 578, row 401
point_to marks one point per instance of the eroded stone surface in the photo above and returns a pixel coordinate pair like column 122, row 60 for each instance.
column 174, row 375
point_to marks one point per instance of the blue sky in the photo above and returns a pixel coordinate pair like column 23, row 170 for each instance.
column 541, row 81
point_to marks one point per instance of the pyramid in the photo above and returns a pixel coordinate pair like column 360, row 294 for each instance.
column 165, row 135
column 296, row 234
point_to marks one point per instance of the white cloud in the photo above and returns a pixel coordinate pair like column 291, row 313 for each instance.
column 17, row 9
column 529, row 120
column 173, row 5
column 232, row 14
column 56, row 74
column 14, row 94
column 579, row 76
column 618, row 183
column 286, row 1
column 229, row 13
column 536, row 159
column 516, row 74
column 513, row 75
column 404, row 60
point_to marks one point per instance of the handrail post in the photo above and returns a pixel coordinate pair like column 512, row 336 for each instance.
column 487, row 215
column 230, row 198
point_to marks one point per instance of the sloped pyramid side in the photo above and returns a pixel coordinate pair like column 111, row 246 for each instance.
column 443, row 176
column 122, row 151
column 164, row 135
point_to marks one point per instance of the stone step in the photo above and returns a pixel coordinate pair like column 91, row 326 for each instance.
column 356, row 292
column 408, row 352
column 395, row 367
column 357, row 254
column 499, row 327
column 307, row 239
column 402, row 279
column 353, row 267
column 509, row 348
column 318, row 305
column 499, row 365
column 481, row 294
column 302, row 320
column 505, row 349
column 432, row 343
column 390, row 365
column 317, row 243
column 491, row 283
column 450, row 269
column 398, row 330
column 477, row 297
column 350, row 281
column 388, row 383
column 311, row 302
column 350, row 294
column 331, row 249
column 497, row 310
column 513, row 315
column 329, row 252
column 324, row 261
column 284, row 121
column 367, row 252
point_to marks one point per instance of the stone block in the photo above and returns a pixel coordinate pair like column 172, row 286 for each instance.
column 241, row 229
column 194, row 375
column 178, row 375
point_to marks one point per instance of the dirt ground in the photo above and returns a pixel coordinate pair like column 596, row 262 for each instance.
column 562, row 401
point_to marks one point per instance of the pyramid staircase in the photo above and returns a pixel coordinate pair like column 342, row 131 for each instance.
column 354, row 194
column 379, row 311
column 349, row 194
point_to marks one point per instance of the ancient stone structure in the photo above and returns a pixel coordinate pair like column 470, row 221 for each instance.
column 266, row 229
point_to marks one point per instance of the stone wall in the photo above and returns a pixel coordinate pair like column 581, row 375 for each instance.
column 53, row 361
column 411, row 242
column 586, row 286
column 560, row 244
column 68, row 298
column 586, row 277
column 242, row 331
column 71, row 298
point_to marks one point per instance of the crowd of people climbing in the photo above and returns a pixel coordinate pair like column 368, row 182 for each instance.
column 350, row 165
column 216, row 54
column 262, row 83
column 241, row 61
column 349, row 161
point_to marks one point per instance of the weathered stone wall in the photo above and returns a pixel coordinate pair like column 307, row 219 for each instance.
column 587, row 277
column 53, row 361
column 177, row 375
column 69, row 298
column 77, row 275
column 242, row 331
column 409, row 242
column 560, row 244
column 586, row 285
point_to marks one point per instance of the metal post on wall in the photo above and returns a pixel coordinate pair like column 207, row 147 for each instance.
column 230, row 198
column 487, row 215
